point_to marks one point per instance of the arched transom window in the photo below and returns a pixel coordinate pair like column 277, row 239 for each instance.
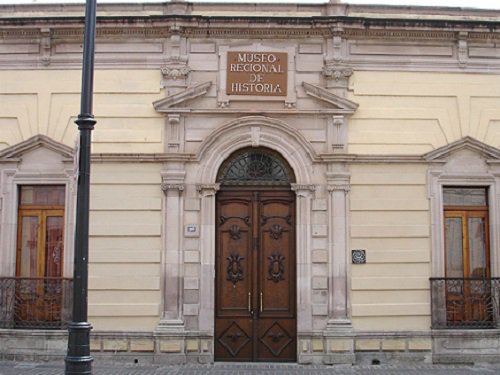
column 255, row 166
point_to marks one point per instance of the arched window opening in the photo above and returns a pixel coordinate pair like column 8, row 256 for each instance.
column 255, row 166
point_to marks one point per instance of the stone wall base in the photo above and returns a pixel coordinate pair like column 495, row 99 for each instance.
column 466, row 346
column 348, row 347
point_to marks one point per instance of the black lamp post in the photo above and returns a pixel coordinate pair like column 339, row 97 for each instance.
column 78, row 359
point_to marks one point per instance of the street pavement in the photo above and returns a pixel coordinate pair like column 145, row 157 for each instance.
column 28, row 368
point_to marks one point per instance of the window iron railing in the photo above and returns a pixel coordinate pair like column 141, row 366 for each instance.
column 35, row 303
column 465, row 303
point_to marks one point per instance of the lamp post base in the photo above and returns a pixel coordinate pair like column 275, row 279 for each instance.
column 78, row 361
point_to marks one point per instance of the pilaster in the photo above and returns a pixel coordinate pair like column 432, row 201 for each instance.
column 207, row 194
column 172, row 185
column 338, row 307
column 305, row 194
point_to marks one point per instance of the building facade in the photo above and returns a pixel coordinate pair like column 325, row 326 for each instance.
column 270, row 182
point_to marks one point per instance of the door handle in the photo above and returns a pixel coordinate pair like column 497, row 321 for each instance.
column 250, row 302
column 261, row 302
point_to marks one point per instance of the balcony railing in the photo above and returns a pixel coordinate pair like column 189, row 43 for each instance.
column 465, row 303
column 35, row 303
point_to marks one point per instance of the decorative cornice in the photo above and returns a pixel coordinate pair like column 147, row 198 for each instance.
column 38, row 141
column 398, row 34
column 488, row 152
column 261, row 33
column 162, row 31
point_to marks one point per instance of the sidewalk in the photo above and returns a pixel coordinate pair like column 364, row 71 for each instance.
column 27, row 368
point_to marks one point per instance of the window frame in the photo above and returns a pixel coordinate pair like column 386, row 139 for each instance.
column 440, row 179
column 465, row 212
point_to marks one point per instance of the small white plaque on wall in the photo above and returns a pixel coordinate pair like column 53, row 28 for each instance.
column 191, row 230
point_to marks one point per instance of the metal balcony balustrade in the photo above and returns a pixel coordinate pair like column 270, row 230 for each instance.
column 35, row 303
column 465, row 303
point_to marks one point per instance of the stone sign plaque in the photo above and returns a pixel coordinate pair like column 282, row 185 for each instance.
column 257, row 73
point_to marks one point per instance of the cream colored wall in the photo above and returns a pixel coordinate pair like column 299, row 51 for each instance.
column 413, row 113
column 405, row 114
column 126, row 199
column 390, row 220
column 48, row 101
column 125, row 246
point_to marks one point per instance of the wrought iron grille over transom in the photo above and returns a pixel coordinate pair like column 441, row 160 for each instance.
column 255, row 167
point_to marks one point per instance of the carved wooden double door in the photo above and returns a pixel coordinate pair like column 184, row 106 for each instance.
column 255, row 317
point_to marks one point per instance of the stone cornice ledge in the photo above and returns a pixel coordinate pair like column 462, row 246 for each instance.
column 352, row 158
column 141, row 158
column 323, row 158
column 257, row 112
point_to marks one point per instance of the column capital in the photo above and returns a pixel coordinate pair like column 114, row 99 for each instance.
column 303, row 190
column 206, row 190
column 172, row 179
column 165, row 186
column 338, row 181
column 346, row 188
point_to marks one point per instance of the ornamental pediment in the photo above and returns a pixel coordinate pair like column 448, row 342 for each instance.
column 16, row 152
column 177, row 99
column 325, row 96
column 442, row 154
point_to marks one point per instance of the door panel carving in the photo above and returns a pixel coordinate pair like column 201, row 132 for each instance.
column 255, row 276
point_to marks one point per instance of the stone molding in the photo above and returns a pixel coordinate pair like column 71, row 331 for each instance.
column 273, row 133
column 71, row 31
column 344, row 105
column 486, row 151
column 16, row 151
column 189, row 93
